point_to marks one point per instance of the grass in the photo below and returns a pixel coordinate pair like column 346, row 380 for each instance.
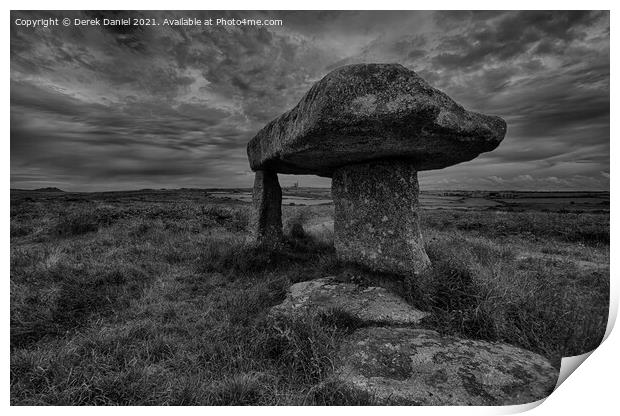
column 128, row 301
column 480, row 289
column 582, row 228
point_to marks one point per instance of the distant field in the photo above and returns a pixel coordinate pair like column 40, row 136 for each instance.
column 153, row 297
column 476, row 200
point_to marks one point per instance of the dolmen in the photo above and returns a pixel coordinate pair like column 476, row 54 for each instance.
column 371, row 128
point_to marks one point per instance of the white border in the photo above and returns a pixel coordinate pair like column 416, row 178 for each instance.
column 311, row 5
column 593, row 387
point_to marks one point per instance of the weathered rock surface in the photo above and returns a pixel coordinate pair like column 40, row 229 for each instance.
column 371, row 305
column 266, row 220
column 364, row 112
column 376, row 217
column 420, row 367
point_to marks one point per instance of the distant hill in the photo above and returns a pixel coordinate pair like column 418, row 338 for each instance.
column 48, row 189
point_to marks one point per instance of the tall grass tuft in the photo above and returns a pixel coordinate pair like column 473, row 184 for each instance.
column 478, row 289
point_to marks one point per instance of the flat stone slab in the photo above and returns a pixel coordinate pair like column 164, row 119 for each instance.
column 364, row 112
column 371, row 305
column 405, row 366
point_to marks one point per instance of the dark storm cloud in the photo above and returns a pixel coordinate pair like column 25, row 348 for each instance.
column 129, row 107
column 510, row 35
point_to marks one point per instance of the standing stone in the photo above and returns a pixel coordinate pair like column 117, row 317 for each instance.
column 266, row 222
column 376, row 216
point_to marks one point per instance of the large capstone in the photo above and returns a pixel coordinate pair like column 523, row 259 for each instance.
column 364, row 112
column 376, row 216
column 266, row 220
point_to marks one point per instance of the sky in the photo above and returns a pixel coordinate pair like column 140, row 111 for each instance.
column 125, row 107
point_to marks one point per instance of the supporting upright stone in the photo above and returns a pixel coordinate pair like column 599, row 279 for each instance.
column 266, row 222
column 376, row 216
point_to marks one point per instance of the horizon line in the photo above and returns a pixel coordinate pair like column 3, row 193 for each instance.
column 307, row 187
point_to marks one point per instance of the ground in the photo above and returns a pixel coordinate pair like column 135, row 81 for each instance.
column 152, row 297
